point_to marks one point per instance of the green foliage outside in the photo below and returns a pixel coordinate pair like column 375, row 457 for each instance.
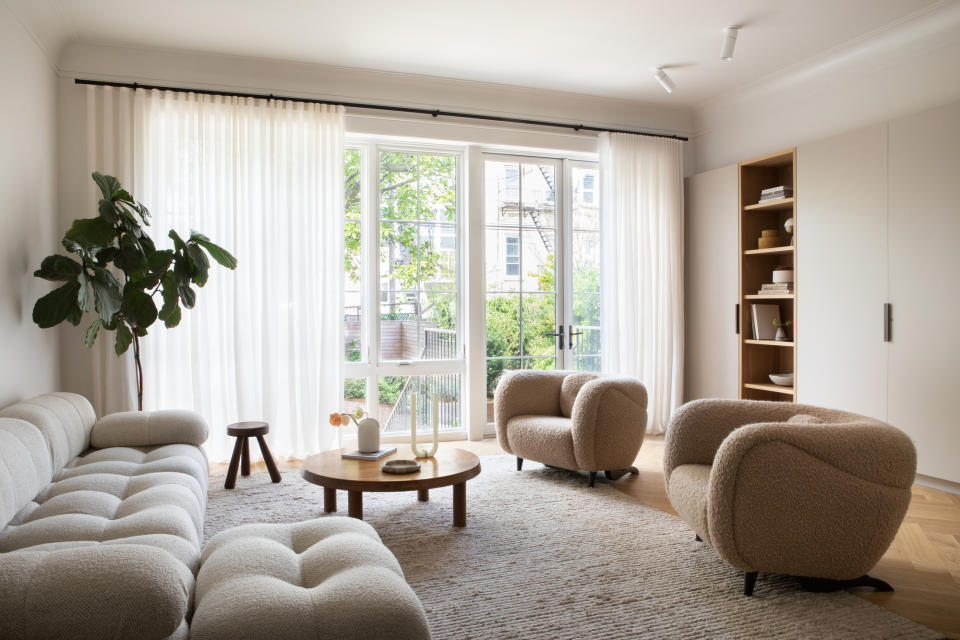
column 423, row 187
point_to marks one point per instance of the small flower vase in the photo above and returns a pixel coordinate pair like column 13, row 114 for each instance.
column 368, row 436
column 781, row 335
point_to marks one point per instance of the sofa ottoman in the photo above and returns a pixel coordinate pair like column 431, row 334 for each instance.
column 324, row 578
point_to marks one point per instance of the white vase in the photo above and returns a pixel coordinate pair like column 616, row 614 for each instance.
column 368, row 435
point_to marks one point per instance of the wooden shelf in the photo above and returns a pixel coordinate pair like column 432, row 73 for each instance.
column 770, row 343
column 773, row 205
column 778, row 159
column 768, row 252
column 773, row 388
column 785, row 296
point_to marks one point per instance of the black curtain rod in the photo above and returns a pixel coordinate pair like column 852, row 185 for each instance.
column 380, row 107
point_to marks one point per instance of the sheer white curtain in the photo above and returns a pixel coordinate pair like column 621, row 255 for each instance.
column 642, row 218
column 265, row 181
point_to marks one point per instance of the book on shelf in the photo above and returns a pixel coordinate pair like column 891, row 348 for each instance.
column 775, row 293
column 376, row 455
column 763, row 316
column 776, row 286
column 778, row 189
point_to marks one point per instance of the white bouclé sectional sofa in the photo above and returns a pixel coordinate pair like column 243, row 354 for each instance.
column 102, row 520
column 101, row 536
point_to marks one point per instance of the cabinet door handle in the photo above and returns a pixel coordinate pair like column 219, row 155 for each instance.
column 887, row 322
column 736, row 318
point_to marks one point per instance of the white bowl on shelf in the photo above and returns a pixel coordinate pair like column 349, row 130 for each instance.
column 782, row 379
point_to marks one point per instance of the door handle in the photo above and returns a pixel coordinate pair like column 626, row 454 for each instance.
column 559, row 334
column 571, row 333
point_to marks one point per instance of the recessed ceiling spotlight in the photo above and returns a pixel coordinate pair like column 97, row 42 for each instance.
column 663, row 79
column 729, row 42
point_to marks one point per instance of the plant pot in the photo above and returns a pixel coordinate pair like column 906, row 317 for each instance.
column 368, row 435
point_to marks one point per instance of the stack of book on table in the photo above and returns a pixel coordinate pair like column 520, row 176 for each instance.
column 776, row 193
column 776, row 289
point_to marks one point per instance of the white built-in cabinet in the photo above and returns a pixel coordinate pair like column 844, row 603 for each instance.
column 878, row 220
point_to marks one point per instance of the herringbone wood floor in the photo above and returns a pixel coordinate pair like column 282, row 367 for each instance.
column 922, row 564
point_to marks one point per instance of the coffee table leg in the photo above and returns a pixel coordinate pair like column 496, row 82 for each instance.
column 423, row 495
column 460, row 504
column 355, row 504
column 329, row 499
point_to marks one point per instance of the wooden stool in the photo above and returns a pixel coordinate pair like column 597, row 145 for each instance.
column 241, row 451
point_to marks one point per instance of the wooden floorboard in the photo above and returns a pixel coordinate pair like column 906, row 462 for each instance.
column 922, row 564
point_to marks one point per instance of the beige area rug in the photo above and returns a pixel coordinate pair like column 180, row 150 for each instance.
column 543, row 557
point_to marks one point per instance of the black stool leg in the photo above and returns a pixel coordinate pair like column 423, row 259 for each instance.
column 245, row 457
column 268, row 459
column 234, row 463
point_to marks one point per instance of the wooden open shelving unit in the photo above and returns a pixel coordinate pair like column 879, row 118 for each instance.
column 759, row 358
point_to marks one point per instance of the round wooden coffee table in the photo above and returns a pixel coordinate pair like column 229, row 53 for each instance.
column 448, row 467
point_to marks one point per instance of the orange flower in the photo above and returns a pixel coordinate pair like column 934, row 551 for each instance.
column 336, row 420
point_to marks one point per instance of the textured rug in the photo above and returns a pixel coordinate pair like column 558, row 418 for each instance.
column 544, row 557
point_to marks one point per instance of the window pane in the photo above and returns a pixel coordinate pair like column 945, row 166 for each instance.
column 352, row 267
column 398, row 186
column 395, row 403
column 538, row 195
column 502, row 267
column 540, row 363
column 501, row 193
column 538, row 272
column 399, row 248
column 586, row 261
column 539, row 319
column 586, row 363
column 588, row 342
column 586, row 309
column 354, row 394
column 438, row 188
column 503, row 325
column 495, row 369
column 586, row 201
column 438, row 265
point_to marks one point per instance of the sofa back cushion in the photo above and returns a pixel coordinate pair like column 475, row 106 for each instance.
column 64, row 419
column 570, row 389
column 24, row 466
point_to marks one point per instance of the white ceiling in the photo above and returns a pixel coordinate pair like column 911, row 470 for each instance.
column 603, row 47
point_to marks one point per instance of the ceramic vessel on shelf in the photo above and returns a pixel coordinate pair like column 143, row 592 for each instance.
column 782, row 275
column 782, row 379
column 768, row 239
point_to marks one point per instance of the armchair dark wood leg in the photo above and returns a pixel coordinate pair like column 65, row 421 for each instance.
column 593, row 479
column 749, row 580
column 699, row 539
column 519, row 463
column 268, row 459
column 616, row 474
column 825, row 585
column 234, row 465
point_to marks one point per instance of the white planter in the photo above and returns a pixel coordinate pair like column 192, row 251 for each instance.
column 782, row 275
column 368, row 435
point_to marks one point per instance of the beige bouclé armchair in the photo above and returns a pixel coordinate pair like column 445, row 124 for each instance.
column 787, row 488
column 572, row 420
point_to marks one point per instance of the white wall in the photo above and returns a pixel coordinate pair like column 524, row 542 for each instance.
column 28, row 217
column 907, row 67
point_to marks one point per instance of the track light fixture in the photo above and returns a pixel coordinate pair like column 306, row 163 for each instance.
column 663, row 79
column 729, row 42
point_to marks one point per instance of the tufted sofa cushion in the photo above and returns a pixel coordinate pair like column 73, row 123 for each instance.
column 324, row 578
column 149, row 428
column 24, row 465
column 64, row 419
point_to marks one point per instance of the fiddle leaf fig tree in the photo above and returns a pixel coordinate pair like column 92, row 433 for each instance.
column 117, row 271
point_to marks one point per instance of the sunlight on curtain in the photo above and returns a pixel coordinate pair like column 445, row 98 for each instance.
column 642, row 207
column 265, row 181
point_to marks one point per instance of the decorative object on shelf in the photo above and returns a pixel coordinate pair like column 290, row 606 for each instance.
column 763, row 316
column 775, row 193
column 768, row 239
column 776, row 289
column 400, row 466
column 788, row 227
column 781, row 330
column 782, row 379
column 368, row 429
column 782, row 275
column 423, row 453
column 120, row 262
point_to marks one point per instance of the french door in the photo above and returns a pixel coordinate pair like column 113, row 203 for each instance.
column 542, row 265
